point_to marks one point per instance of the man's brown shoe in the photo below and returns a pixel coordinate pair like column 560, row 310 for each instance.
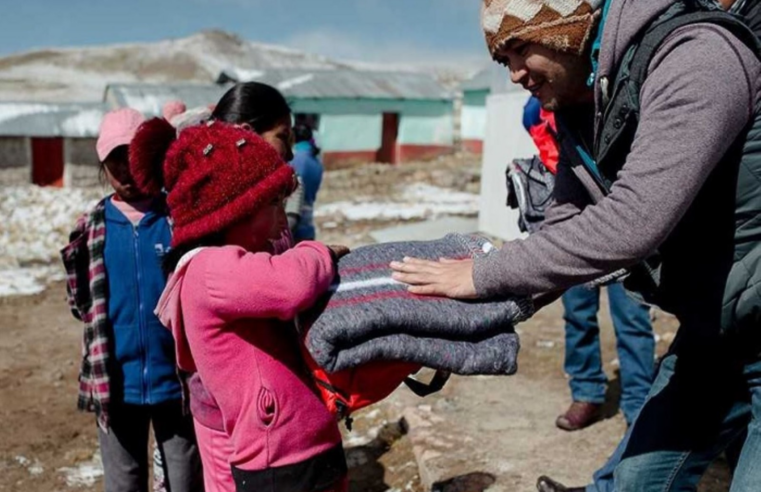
column 546, row 484
column 579, row 415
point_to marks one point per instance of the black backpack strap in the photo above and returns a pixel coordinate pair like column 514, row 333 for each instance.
column 422, row 390
column 655, row 36
column 621, row 116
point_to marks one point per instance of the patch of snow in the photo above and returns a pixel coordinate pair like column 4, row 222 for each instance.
column 293, row 82
column 418, row 201
column 34, row 468
column 145, row 103
column 37, row 222
column 11, row 111
column 84, row 123
column 24, row 281
column 243, row 75
column 84, row 474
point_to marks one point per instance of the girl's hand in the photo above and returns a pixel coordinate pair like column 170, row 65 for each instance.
column 446, row 278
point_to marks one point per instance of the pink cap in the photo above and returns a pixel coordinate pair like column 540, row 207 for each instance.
column 172, row 109
column 117, row 128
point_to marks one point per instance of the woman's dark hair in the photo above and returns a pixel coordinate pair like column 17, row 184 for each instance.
column 260, row 105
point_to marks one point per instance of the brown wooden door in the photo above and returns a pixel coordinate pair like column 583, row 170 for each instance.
column 388, row 150
column 47, row 161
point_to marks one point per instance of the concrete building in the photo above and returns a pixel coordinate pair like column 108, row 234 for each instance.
column 504, row 139
column 473, row 113
column 49, row 144
column 359, row 116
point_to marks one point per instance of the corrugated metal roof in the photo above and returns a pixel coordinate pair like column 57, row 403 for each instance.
column 311, row 84
column 150, row 98
column 26, row 119
column 494, row 78
column 352, row 84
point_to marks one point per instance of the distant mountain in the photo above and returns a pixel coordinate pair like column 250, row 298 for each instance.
column 81, row 74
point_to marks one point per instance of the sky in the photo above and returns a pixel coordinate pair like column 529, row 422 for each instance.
column 431, row 32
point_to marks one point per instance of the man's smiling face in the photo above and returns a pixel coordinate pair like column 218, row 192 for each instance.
column 557, row 79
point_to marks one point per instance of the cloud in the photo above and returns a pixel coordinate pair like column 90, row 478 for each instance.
column 345, row 46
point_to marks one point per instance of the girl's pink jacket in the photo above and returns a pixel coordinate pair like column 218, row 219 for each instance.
column 231, row 313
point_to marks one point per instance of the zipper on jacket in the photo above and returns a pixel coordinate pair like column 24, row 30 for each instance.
column 141, row 328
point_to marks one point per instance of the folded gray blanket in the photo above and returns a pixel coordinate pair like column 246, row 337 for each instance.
column 368, row 316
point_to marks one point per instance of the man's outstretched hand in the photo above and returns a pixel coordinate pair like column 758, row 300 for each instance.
column 445, row 278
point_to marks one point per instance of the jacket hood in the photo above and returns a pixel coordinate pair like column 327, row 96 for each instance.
column 169, row 308
column 169, row 312
column 625, row 19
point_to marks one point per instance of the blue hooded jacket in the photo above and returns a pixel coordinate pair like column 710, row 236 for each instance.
column 309, row 168
column 144, row 372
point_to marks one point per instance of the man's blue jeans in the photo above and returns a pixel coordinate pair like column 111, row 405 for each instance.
column 634, row 341
column 705, row 396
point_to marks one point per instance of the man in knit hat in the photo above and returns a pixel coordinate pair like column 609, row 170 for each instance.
column 660, row 180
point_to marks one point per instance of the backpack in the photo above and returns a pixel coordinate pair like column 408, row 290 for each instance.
column 529, row 189
column 345, row 392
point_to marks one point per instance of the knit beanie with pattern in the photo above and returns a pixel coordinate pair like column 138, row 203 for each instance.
column 215, row 174
column 560, row 25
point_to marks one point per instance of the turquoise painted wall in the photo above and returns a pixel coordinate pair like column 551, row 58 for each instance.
column 473, row 117
column 473, row 122
column 426, row 130
column 475, row 98
column 356, row 124
column 350, row 132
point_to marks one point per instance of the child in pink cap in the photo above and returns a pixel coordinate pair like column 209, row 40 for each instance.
column 128, row 375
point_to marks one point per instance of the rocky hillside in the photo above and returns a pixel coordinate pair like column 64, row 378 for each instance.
column 81, row 74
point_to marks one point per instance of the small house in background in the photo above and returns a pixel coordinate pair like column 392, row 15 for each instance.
column 473, row 113
column 49, row 144
column 358, row 116
column 365, row 116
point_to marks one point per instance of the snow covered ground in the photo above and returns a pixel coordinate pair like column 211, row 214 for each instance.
column 417, row 201
column 38, row 221
column 36, row 224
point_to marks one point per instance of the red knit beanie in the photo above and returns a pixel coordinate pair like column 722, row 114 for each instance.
column 215, row 174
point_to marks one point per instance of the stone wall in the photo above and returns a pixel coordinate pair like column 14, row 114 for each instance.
column 82, row 165
column 15, row 161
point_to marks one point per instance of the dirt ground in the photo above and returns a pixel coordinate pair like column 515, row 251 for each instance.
column 43, row 435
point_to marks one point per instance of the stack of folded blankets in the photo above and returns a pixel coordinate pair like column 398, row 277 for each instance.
column 368, row 316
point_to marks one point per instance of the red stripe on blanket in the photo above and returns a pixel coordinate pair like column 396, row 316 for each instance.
column 393, row 294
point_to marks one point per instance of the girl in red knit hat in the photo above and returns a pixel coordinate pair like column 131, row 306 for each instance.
column 262, row 109
column 231, row 301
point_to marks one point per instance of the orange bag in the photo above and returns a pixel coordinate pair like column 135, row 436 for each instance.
column 345, row 392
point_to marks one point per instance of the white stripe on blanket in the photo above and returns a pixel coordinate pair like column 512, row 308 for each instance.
column 364, row 284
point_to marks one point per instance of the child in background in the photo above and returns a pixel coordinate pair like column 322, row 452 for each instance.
column 309, row 169
column 114, row 279
column 230, row 302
